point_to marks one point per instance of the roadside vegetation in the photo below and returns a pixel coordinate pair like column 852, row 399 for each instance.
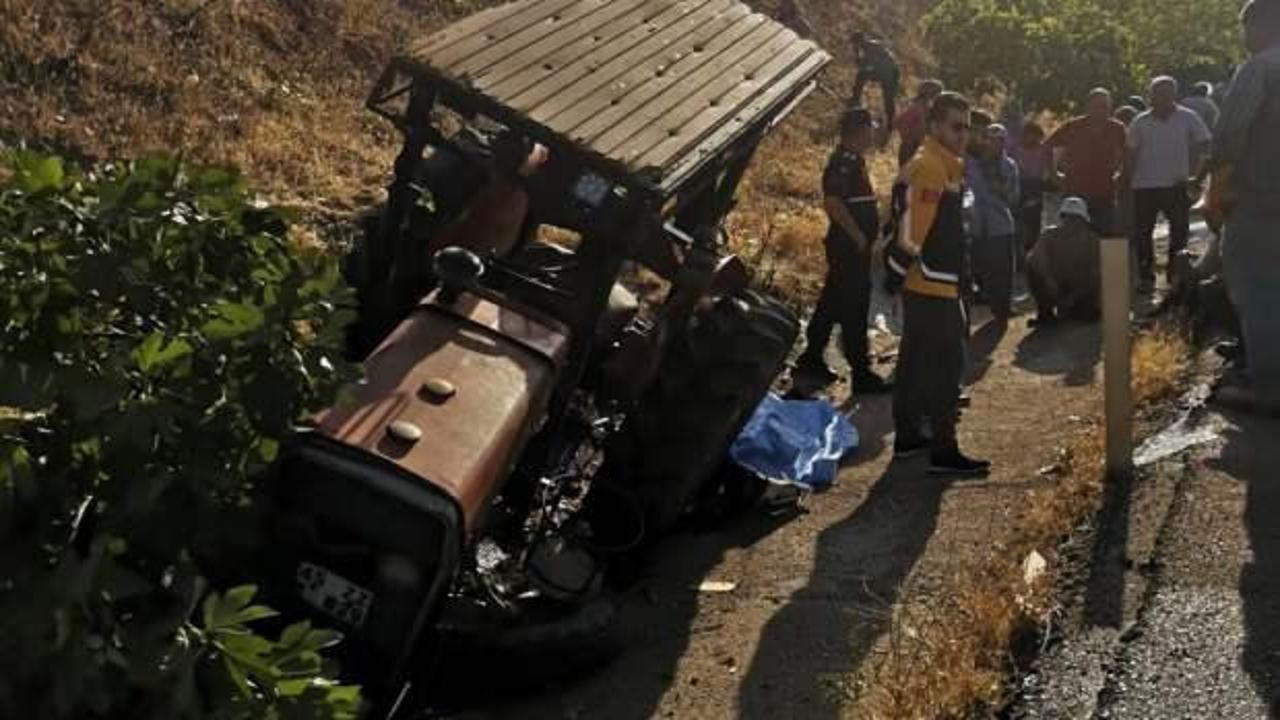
column 1048, row 55
column 161, row 336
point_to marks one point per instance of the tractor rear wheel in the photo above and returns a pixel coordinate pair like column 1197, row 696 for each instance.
column 711, row 381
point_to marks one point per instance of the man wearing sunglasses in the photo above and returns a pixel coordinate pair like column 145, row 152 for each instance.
column 929, row 252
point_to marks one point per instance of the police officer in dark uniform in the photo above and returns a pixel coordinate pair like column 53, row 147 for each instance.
column 850, row 202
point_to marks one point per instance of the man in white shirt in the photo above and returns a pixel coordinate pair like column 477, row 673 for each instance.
column 1168, row 145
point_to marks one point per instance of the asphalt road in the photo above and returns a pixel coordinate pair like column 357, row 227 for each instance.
column 1176, row 610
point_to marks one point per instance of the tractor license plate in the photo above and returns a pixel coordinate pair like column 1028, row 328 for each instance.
column 334, row 595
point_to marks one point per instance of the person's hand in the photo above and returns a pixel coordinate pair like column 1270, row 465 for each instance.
column 538, row 157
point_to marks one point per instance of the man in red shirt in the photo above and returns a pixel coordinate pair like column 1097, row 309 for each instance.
column 911, row 123
column 1090, row 150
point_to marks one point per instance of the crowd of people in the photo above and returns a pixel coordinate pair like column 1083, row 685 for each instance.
column 968, row 206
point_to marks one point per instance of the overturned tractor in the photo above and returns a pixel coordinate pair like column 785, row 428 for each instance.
column 558, row 348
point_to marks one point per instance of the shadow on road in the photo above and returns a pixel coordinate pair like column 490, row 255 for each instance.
column 1070, row 350
column 827, row 629
column 1251, row 456
column 1104, row 599
column 982, row 345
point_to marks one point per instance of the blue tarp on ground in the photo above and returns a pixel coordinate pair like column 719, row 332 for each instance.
column 795, row 442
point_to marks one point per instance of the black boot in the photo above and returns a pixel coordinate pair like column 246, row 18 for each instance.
column 866, row 382
column 953, row 462
column 816, row 369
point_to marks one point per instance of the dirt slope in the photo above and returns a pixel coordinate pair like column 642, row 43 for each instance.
column 275, row 86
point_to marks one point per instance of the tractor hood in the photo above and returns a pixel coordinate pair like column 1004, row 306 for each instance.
column 453, row 395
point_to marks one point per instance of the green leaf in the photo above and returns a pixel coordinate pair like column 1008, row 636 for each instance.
column 238, row 598
column 155, row 352
column 317, row 640
column 253, row 613
column 294, row 634
column 232, row 320
column 268, row 449
column 223, row 611
column 237, row 675
column 35, row 173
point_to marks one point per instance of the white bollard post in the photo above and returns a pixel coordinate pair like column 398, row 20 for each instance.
column 1116, row 348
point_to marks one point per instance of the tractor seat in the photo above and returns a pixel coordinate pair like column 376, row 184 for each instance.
column 547, row 261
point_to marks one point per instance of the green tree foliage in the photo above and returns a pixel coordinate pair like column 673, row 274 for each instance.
column 1049, row 53
column 1192, row 40
column 159, row 336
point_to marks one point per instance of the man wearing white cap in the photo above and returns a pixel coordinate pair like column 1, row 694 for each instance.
column 1064, row 268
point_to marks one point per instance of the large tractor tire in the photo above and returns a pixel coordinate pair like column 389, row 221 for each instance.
column 711, row 381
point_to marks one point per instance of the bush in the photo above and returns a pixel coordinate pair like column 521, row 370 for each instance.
column 159, row 336
column 1049, row 53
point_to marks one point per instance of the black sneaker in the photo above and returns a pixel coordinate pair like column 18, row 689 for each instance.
column 909, row 447
column 869, row 383
column 953, row 462
column 817, row 370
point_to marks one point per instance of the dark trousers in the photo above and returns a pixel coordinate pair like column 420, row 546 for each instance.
column 1102, row 213
column 845, row 301
column 993, row 269
column 888, row 87
column 931, row 360
column 1050, row 298
column 1032, row 218
column 1148, row 204
column 1031, row 215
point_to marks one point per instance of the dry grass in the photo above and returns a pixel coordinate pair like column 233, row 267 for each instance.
column 1157, row 357
column 949, row 656
column 277, row 87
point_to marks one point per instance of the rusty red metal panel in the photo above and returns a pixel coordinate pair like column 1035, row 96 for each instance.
column 474, row 379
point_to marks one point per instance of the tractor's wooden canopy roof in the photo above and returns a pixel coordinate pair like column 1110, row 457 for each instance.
column 653, row 88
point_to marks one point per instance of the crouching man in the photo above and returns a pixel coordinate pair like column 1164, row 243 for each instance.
column 1064, row 268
